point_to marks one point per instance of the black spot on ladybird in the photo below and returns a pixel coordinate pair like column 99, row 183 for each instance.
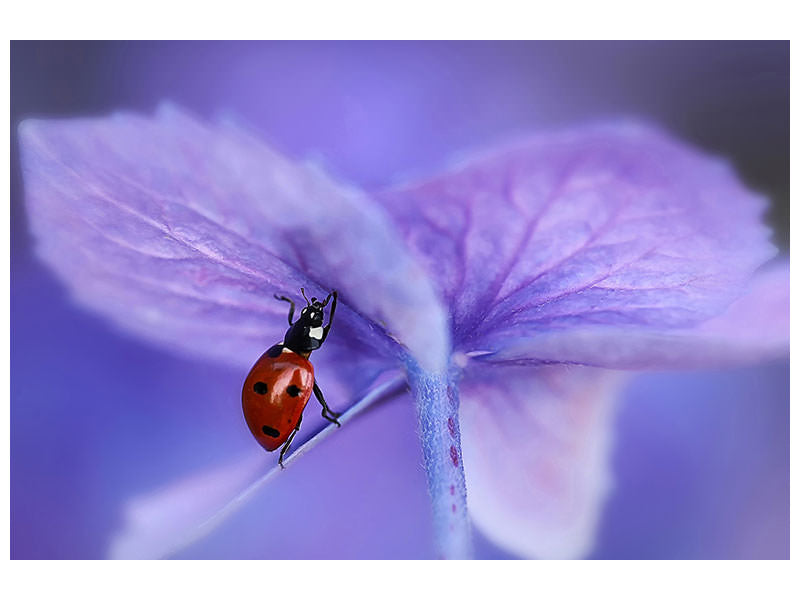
column 293, row 391
column 275, row 351
column 270, row 431
column 259, row 387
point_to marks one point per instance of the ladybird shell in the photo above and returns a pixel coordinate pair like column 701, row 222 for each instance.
column 274, row 395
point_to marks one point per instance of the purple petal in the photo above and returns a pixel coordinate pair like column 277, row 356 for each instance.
column 754, row 328
column 182, row 232
column 618, row 228
column 536, row 453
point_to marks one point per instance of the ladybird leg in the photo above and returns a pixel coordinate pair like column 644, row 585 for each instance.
column 285, row 447
column 327, row 413
column 327, row 328
column 291, row 306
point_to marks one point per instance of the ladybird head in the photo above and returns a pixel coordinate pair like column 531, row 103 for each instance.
column 314, row 312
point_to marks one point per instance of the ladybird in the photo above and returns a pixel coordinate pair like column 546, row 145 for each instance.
column 281, row 382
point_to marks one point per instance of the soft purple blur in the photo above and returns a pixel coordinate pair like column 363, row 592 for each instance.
column 701, row 459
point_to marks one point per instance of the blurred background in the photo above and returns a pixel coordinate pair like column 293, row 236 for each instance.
column 701, row 459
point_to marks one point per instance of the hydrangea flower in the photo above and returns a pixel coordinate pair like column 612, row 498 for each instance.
column 508, row 297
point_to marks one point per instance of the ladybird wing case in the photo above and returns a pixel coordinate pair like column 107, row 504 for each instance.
column 274, row 395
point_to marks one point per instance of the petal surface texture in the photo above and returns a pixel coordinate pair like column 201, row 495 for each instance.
column 614, row 229
column 537, row 455
column 754, row 327
column 181, row 232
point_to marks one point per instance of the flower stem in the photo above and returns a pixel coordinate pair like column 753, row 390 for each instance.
column 437, row 410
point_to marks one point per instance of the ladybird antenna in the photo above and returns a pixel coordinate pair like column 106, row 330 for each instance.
column 302, row 291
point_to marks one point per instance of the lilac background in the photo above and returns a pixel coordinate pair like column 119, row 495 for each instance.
column 701, row 458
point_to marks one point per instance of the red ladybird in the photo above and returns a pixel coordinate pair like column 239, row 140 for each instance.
column 280, row 384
